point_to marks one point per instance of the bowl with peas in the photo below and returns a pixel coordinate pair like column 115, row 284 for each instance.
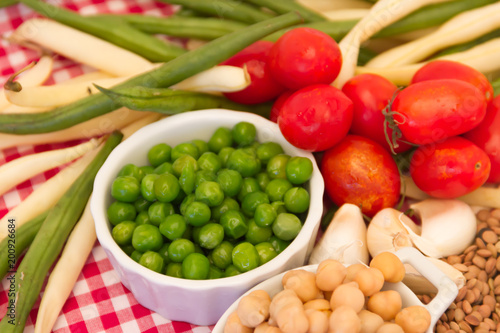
column 197, row 208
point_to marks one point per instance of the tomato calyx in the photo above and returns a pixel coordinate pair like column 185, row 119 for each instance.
column 391, row 123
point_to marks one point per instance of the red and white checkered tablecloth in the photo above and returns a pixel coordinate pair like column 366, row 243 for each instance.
column 98, row 302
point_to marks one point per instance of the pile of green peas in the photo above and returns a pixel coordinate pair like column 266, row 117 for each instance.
column 210, row 209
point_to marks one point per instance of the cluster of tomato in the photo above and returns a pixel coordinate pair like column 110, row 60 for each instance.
column 446, row 118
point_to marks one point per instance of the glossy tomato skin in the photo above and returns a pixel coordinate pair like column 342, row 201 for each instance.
column 447, row 69
column 305, row 56
column 449, row 169
column 278, row 103
column 360, row 171
column 370, row 94
column 486, row 136
column 263, row 86
column 431, row 111
column 316, row 117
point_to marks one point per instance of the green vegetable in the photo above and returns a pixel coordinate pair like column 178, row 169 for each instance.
column 244, row 133
column 121, row 211
column 211, row 235
column 245, row 257
column 166, row 187
column 266, row 252
column 299, row 170
column 159, row 154
column 286, row 226
column 147, row 237
column 50, row 239
column 173, row 227
column 221, row 255
column 7, row 3
column 496, row 86
column 276, row 167
column 195, row 266
column 296, row 200
column 152, row 260
column 257, row 234
column 172, row 72
column 285, row 6
column 277, row 188
column 122, row 232
column 179, row 249
column 125, row 189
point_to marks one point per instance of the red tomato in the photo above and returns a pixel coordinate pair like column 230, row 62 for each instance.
column 360, row 171
column 487, row 137
column 449, row 169
column 316, row 117
column 263, row 86
column 305, row 56
column 431, row 111
column 370, row 94
column 447, row 69
column 278, row 103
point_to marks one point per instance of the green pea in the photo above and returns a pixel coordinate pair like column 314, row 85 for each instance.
column 279, row 207
column 185, row 148
column 277, row 188
column 210, row 193
column 165, row 167
column 244, row 133
column 179, row 198
column 174, row 269
column 245, row 161
column 263, row 179
column 166, row 187
column 198, row 249
column 188, row 233
column 201, row 145
column 131, row 170
column 227, row 204
column 136, row 255
column 215, row 273
column 142, row 204
column 264, row 215
column 221, row 138
column 179, row 249
column 195, row 235
column 286, row 226
column 181, row 162
column 252, row 200
column 276, row 167
column 224, row 154
column 299, row 170
column 278, row 244
column 245, row 257
column 211, row 235
column 256, row 234
column 267, row 150
column 147, row 169
column 121, row 211
column 142, row 218
column 231, row 270
column 204, row 176
column 147, row 187
column 222, row 255
column 158, row 211
column 296, row 200
column 122, row 232
column 187, row 178
column 125, row 188
column 195, row 267
column 147, row 237
column 248, row 185
column 266, row 252
column 197, row 214
column 128, row 249
column 163, row 252
column 234, row 224
column 186, row 202
column 159, row 154
column 210, row 161
column 230, row 181
column 173, row 226
column 153, row 261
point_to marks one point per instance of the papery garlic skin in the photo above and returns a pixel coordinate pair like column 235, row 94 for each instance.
column 344, row 239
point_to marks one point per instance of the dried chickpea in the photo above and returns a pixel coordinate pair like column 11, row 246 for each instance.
column 330, row 274
column 369, row 280
column 352, row 270
column 390, row 265
column 288, row 312
column 253, row 309
column 390, row 328
column 385, row 303
column 234, row 325
column 266, row 328
column 303, row 283
column 319, row 304
column 318, row 321
column 344, row 319
column 349, row 295
column 414, row 319
column 370, row 321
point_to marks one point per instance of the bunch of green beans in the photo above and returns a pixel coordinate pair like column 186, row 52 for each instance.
column 49, row 241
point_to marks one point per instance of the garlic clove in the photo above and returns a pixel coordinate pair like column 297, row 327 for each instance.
column 388, row 231
column 448, row 227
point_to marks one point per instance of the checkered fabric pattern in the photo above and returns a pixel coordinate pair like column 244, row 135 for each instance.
column 98, row 302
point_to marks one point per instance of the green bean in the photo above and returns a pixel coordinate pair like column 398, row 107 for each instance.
column 170, row 73
column 337, row 30
column 169, row 101
column 285, row 6
column 114, row 30
column 184, row 27
column 467, row 45
column 7, row 3
column 430, row 16
column 49, row 241
column 230, row 9
column 19, row 241
column 496, row 87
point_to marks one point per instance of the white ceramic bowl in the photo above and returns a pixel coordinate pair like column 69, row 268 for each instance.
column 447, row 290
column 194, row 301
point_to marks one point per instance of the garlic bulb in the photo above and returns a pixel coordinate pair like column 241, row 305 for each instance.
column 388, row 231
column 448, row 227
column 344, row 239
